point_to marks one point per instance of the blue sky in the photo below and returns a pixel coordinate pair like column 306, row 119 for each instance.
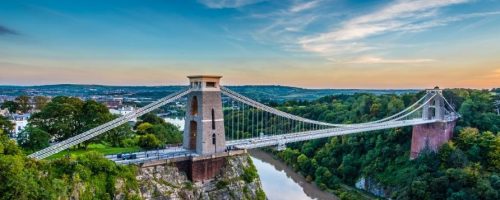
column 320, row 43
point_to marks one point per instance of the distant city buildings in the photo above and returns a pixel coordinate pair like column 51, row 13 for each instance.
column 114, row 103
column 4, row 98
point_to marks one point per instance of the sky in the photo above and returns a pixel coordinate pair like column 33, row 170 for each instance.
column 314, row 44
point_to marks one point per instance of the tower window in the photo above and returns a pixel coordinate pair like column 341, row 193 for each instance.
column 210, row 84
column 213, row 119
column 194, row 106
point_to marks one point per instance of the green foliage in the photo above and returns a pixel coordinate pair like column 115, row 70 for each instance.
column 166, row 133
column 24, row 103
column 149, row 141
column 465, row 168
column 101, row 148
column 33, row 139
column 117, row 137
column 152, row 119
column 5, row 125
column 12, row 106
column 130, row 142
column 221, row 184
column 24, row 178
column 260, row 195
column 40, row 102
column 65, row 117
column 250, row 172
column 144, row 128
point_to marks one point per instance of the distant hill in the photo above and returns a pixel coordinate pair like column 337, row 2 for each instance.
column 280, row 93
column 261, row 92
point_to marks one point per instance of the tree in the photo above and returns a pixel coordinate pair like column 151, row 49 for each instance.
column 144, row 128
column 24, row 103
column 395, row 105
column 117, row 135
column 64, row 117
column 149, row 141
column 41, row 102
column 92, row 114
column 6, row 125
column 33, row 139
column 303, row 163
column 152, row 119
column 60, row 118
column 12, row 106
column 468, row 137
column 166, row 132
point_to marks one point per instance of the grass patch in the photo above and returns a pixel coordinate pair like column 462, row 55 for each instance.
column 101, row 148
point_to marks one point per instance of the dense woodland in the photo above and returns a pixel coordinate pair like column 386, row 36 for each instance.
column 465, row 168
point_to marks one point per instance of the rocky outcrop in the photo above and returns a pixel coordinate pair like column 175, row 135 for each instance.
column 237, row 180
column 371, row 186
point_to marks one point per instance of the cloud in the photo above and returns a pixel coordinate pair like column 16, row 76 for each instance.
column 6, row 31
column 285, row 25
column 379, row 60
column 304, row 6
column 219, row 4
column 402, row 15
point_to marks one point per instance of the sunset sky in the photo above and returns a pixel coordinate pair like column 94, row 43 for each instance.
column 314, row 44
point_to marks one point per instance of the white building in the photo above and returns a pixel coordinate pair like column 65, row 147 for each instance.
column 5, row 112
column 123, row 111
column 20, row 122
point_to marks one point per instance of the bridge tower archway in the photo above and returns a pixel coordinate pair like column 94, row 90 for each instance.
column 193, row 126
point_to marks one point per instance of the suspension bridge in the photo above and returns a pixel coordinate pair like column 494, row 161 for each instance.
column 219, row 120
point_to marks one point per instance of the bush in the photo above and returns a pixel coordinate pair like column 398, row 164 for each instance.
column 260, row 195
column 130, row 142
column 250, row 172
column 149, row 141
column 221, row 184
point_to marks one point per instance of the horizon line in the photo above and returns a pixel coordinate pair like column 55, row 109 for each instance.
column 248, row 85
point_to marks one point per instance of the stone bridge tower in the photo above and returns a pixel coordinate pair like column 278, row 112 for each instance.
column 204, row 120
column 432, row 136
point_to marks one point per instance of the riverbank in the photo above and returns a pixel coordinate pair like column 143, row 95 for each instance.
column 311, row 190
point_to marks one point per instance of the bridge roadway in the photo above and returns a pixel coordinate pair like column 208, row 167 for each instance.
column 268, row 140
column 282, row 139
column 145, row 156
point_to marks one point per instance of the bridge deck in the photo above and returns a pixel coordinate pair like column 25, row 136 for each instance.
column 264, row 141
column 316, row 134
column 146, row 156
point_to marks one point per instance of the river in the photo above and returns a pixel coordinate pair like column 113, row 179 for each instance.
column 179, row 122
column 280, row 182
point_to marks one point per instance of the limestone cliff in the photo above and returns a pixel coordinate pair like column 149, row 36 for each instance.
column 237, row 180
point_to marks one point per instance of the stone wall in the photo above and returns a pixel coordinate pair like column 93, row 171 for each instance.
column 430, row 136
